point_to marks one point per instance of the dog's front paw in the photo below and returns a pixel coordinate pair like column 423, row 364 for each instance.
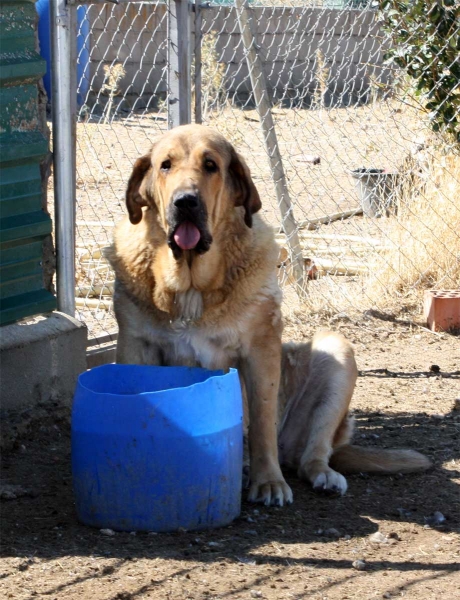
column 270, row 489
column 330, row 482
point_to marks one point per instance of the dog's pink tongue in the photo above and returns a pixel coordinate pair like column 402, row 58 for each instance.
column 187, row 236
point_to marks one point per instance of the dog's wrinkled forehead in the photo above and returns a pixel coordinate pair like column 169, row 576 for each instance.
column 191, row 142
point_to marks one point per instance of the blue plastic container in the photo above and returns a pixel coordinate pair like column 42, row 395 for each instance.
column 157, row 448
column 83, row 47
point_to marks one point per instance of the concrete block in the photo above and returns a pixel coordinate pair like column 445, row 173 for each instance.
column 40, row 360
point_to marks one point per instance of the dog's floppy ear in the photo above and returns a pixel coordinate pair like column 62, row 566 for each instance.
column 134, row 197
column 244, row 190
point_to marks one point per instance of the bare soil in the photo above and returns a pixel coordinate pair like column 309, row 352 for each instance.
column 306, row 550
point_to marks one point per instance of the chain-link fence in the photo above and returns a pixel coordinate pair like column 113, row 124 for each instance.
column 362, row 193
column 122, row 96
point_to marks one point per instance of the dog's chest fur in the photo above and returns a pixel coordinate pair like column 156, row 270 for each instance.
column 211, row 328
column 189, row 344
column 189, row 305
column 192, row 337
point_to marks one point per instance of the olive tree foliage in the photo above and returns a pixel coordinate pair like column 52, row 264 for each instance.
column 426, row 45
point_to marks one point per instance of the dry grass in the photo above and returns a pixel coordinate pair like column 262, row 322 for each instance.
column 212, row 75
column 424, row 240
column 419, row 250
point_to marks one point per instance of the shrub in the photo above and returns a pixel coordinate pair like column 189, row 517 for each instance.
column 426, row 44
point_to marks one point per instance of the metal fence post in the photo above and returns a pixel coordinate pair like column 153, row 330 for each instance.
column 63, row 152
column 263, row 106
column 179, row 88
column 197, row 53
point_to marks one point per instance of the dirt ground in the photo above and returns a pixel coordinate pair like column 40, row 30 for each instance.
column 320, row 547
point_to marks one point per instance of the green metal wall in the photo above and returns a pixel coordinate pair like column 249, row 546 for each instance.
column 24, row 225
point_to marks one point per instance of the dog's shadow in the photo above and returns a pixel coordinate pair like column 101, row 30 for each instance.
column 414, row 498
column 45, row 526
column 398, row 499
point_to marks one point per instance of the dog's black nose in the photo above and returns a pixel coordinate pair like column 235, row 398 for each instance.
column 186, row 200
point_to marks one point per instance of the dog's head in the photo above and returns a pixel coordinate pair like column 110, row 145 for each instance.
column 193, row 178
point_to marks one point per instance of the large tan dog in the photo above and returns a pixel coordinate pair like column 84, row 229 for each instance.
column 196, row 284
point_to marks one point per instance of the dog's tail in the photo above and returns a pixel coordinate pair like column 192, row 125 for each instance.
column 355, row 459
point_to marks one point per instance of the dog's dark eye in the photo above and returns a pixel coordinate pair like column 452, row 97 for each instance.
column 165, row 165
column 210, row 166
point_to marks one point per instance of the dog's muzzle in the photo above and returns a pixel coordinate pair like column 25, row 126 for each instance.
column 187, row 220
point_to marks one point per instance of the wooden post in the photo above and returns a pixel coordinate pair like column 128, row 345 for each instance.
column 179, row 89
column 259, row 88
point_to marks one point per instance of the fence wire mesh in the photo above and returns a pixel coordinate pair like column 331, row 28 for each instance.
column 370, row 196
column 122, row 95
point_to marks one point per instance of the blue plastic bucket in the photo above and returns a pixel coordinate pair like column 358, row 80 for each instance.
column 157, row 448
column 44, row 36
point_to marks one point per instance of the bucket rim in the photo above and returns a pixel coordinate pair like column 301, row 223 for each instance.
column 369, row 172
column 217, row 374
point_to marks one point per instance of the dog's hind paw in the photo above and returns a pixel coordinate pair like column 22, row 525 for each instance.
column 330, row 482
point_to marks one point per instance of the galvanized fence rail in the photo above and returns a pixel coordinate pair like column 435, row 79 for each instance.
column 362, row 194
